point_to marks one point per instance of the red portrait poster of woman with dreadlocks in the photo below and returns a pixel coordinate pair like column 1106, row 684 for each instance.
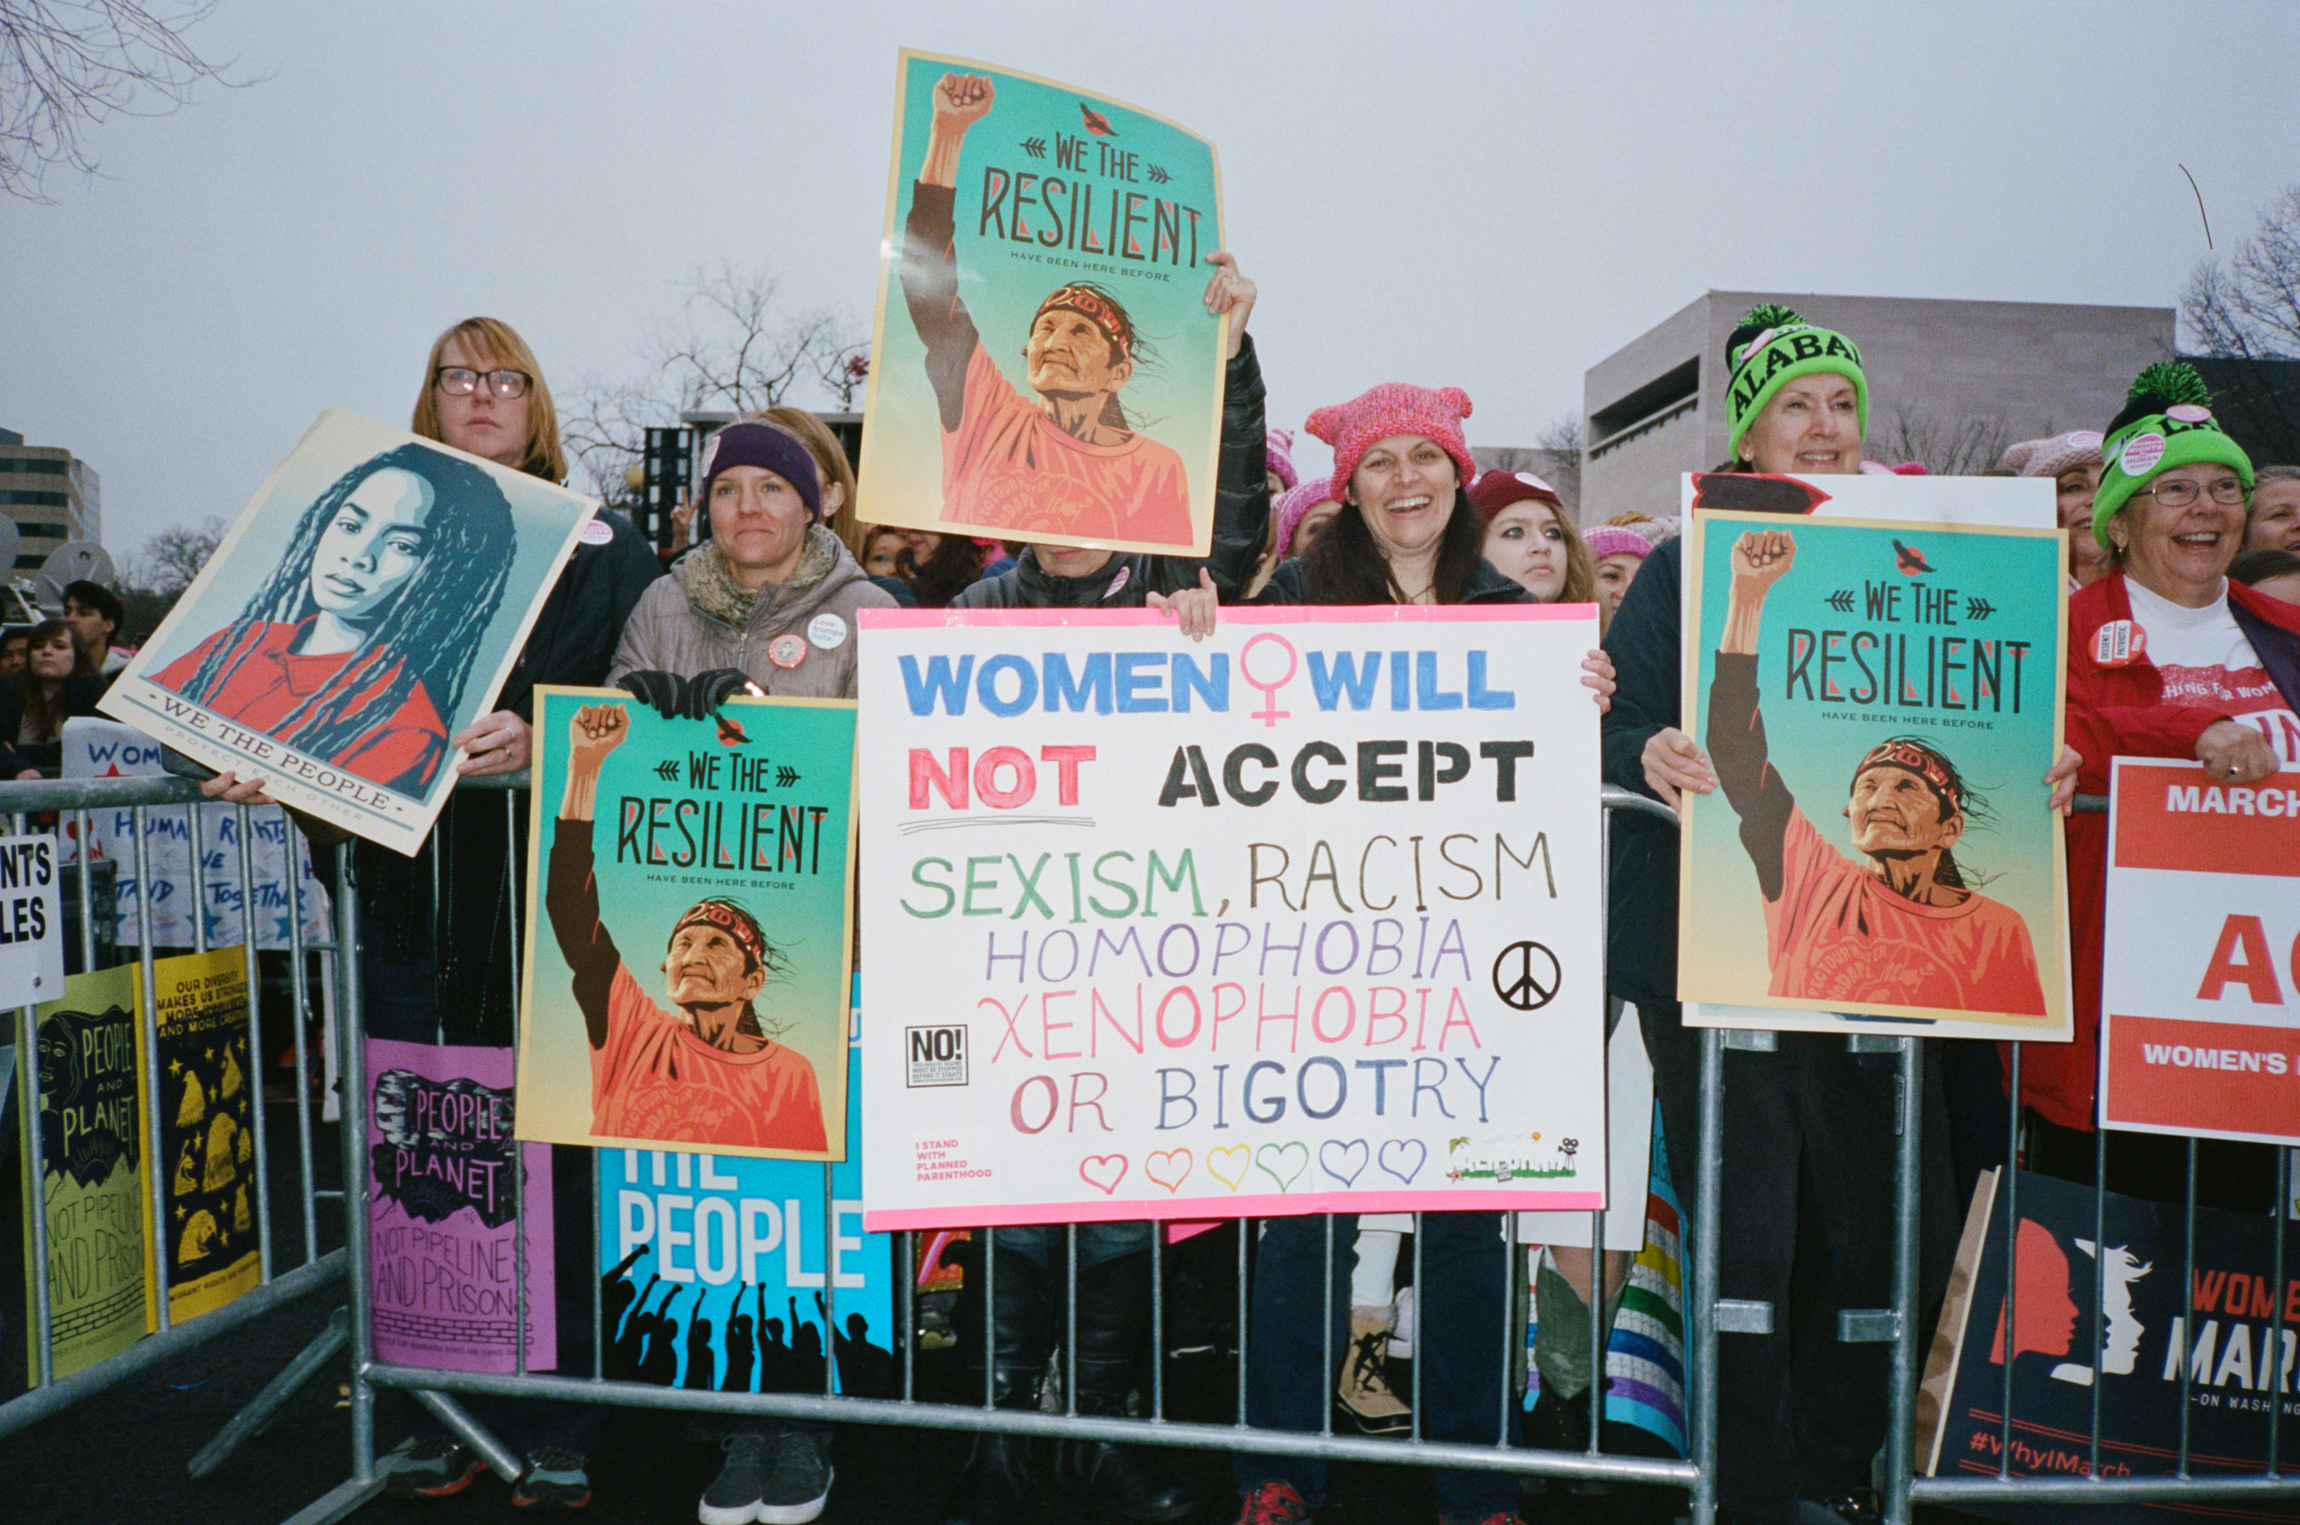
column 364, row 610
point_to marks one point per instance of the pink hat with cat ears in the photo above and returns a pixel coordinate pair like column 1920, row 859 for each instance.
column 1394, row 407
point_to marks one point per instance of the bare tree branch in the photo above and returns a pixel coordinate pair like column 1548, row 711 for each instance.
column 1948, row 447
column 154, row 577
column 2246, row 314
column 732, row 349
column 69, row 65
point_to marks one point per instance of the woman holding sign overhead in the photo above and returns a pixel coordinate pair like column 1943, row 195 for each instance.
column 1406, row 533
column 1007, row 1327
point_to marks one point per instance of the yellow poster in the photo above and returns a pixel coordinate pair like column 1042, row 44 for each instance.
column 82, row 1089
column 207, row 1121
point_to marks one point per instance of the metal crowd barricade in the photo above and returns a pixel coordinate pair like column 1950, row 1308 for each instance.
column 2275, row 1483
column 437, row 1390
column 73, row 800
column 1710, row 1319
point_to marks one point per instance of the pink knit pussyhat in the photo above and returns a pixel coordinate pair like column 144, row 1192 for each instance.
column 1295, row 503
column 1394, row 407
column 2051, row 457
column 1606, row 540
column 1278, row 456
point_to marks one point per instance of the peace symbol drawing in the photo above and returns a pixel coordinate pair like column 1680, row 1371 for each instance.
column 1526, row 976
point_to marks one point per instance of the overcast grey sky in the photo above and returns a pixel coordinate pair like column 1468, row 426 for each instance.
column 1491, row 195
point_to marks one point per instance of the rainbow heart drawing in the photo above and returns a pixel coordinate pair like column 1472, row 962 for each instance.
column 1168, row 1167
column 1228, row 1164
column 1283, row 1163
column 1344, row 1161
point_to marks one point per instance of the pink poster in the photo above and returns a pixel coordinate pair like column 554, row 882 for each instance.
column 443, row 1255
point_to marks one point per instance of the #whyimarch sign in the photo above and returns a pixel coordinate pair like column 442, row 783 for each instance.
column 1303, row 918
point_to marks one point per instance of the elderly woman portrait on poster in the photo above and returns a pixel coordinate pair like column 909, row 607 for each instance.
column 351, row 651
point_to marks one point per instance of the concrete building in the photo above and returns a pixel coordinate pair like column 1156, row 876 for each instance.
column 1950, row 383
column 52, row 496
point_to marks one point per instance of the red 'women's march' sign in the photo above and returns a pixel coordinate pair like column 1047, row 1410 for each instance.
column 2200, row 995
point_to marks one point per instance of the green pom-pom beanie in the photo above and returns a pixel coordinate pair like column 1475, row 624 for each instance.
column 2167, row 421
column 1772, row 347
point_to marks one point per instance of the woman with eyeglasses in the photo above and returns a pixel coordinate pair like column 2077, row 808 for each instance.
column 438, row 932
column 2166, row 658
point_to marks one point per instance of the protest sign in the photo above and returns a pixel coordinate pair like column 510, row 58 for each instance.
column 2111, row 1295
column 207, row 1129
column 92, row 1183
column 728, row 842
column 1902, row 677
column 1043, row 366
column 97, row 748
column 365, row 608
column 443, row 1221
column 31, row 922
column 1300, row 919
column 2199, row 1007
column 724, row 1273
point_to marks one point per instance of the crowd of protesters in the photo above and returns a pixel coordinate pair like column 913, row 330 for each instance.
column 2184, row 538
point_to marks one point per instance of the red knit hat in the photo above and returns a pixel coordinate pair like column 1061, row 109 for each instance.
column 1498, row 489
column 1394, row 407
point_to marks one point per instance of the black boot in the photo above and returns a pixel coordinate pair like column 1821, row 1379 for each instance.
column 1113, row 1318
column 1011, row 1345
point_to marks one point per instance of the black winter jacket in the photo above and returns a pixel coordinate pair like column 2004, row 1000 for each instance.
column 468, row 934
column 1644, row 642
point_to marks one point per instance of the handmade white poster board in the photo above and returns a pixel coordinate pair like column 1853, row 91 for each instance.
column 1303, row 918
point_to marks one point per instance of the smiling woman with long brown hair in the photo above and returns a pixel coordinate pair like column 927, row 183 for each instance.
column 54, row 685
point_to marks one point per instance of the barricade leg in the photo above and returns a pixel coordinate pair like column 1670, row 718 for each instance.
column 251, row 1420
column 477, row 1437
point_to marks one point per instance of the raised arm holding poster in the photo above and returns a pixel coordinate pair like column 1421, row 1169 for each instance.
column 1031, row 220
column 366, row 606
column 728, row 842
column 1901, row 677
column 1302, row 919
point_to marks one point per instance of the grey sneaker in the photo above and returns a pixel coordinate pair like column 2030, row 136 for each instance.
column 427, row 1467
column 733, row 1497
column 800, row 1483
column 554, row 1478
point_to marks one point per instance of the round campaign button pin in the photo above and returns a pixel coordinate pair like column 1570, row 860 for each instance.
column 2140, row 454
column 2188, row 413
column 827, row 631
column 596, row 531
column 2119, row 643
column 787, row 650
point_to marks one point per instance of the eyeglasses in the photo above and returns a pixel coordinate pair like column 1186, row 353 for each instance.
column 462, row 381
column 2179, row 493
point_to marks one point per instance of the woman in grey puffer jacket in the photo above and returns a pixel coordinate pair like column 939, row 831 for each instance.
column 772, row 593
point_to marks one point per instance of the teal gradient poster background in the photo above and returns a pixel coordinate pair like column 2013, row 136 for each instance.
column 1053, row 185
